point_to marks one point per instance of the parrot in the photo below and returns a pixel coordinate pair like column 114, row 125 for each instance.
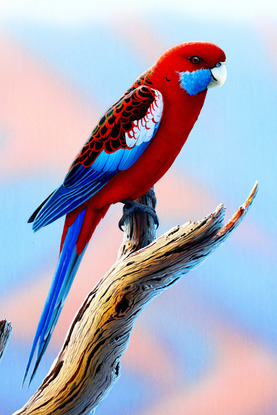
column 130, row 149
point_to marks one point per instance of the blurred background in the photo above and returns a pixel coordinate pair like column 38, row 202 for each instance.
column 208, row 345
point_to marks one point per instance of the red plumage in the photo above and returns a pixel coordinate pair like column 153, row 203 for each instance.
column 180, row 114
column 131, row 148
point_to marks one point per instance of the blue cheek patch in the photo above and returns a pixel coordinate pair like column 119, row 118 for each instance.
column 196, row 81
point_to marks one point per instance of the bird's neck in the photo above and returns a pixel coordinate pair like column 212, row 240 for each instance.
column 183, row 108
column 180, row 109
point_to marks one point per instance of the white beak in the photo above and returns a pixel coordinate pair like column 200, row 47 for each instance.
column 219, row 75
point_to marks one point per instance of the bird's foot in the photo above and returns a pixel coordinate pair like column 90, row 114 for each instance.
column 131, row 207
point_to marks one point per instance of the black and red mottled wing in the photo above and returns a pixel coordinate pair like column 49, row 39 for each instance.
column 110, row 133
column 116, row 143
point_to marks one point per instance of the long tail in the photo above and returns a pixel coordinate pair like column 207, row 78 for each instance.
column 78, row 230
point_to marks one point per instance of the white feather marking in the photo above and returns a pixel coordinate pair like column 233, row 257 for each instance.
column 144, row 128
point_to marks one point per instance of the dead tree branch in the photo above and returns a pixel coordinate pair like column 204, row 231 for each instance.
column 89, row 361
column 5, row 332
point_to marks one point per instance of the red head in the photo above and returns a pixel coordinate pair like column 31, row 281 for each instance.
column 178, row 57
column 194, row 66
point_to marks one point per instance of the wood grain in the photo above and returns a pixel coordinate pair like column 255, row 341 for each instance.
column 5, row 332
column 89, row 362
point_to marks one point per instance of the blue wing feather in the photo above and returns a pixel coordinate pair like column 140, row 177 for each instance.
column 65, row 199
column 81, row 182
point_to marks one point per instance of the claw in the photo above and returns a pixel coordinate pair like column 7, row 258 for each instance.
column 131, row 207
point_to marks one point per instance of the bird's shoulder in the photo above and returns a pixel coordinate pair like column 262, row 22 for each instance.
column 110, row 132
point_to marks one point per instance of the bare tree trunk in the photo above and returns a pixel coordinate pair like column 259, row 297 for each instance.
column 89, row 361
column 5, row 332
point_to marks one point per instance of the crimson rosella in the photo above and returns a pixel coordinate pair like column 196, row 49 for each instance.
column 129, row 150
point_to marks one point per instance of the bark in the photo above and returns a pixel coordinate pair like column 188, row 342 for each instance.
column 89, row 362
column 5, row 332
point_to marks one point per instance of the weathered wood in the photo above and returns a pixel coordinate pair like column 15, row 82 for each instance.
column 139, row 228
column 5, row 332
column 89, row 361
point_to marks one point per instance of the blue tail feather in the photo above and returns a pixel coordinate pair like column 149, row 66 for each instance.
column 66, row 269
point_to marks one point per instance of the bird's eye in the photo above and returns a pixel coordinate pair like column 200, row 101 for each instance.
column 195, row 59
